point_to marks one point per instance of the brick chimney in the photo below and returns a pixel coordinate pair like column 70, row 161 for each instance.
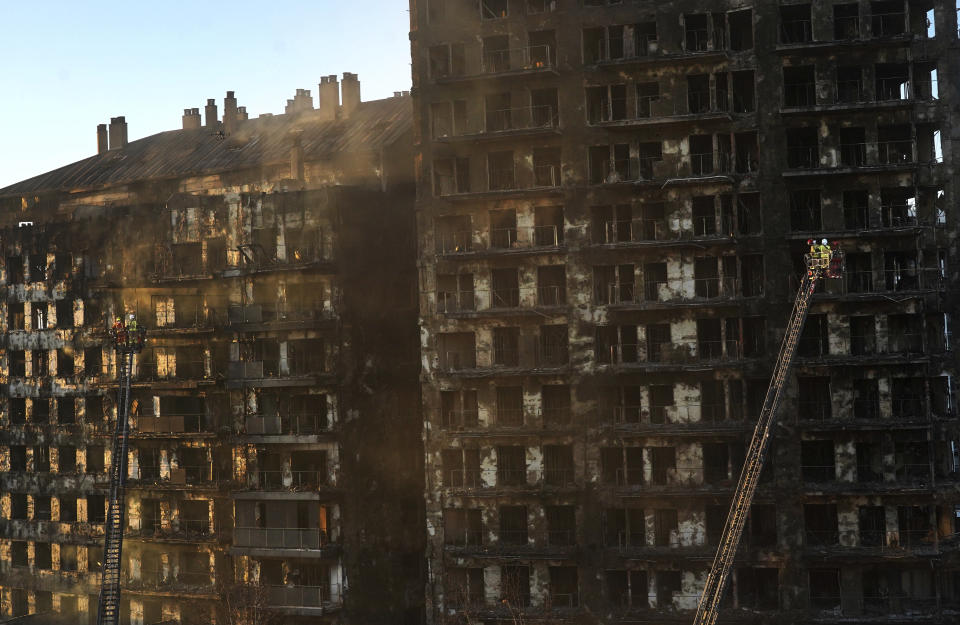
column 118, row 133
column 350, row 92
column 328, row 100
column 242, row 113
column 210, row 113
column 229, row 113
column 191, row 119
column 302, row 101
column 102, row 143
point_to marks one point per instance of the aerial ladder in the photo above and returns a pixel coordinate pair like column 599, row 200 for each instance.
column 823, row 261
column 128, row 339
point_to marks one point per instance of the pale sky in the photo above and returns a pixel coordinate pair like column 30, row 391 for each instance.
column 66, row 66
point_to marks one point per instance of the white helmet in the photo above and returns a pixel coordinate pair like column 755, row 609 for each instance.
column 823, row 242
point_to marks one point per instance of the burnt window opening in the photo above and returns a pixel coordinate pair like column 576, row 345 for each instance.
column 63, row 309
column 762, row 522
column 872, row 526
column 606, row 103
column 752, row 276
column 499, row 115
column 558, row 465
column 42, row 506
column 450, row 176
column 698, row 93
column 821, row 526
column 556, row 404
column 42, row 556
column 501, row 173
column 758, row 588
column 658, row 342
column 795, row 24
column 850, row 84
column 94, row 409
column 462, row 526
column 803, row 151
column 668, row 584
column 511, row 465
column 624, row 527
column 461, row 468
column 716, row 461
column 817, row 461
column 41, row 410
column 496, row 54
column 824, row 584
column 661, row 401
column 16, row 319
column 455, row 292
column 17, row 362
column 18, row 410
column 799, row 86
column 513, row 525
column 853, row 147
column 564, row 587
column 888, row 18
column 546, row 167
column 38, row 267
column 805, row 210
column 746, row 153
column 614, row 284
column 544, row 108
column 453, row 234
column 869, row 462
column 447, row 60
column 912, row 460
column 548, row 226
column 914, row 527
column 503, row 229
column 856, row 215
column 907, row 396
column 93, row 361
column 648, row 95
column 68, row 509
column 95, row 459
column 741, row 30
column 515, row 585
column 510, row 406
column 666, row 528
column 696, row 34
column 18, row 553
column 846, row 21
column 38, row 316
column 866, row 399
column 813, row 398
column 561, row 525
column 458, row 351
column 66, row 459
column 506, row 347
column 901, row 272
column 892, row 81
column 553, row 346
column 458, row 409
column 744, row 92
column 494, row 9
column 609, row 163
column 748, row 213
column 863, row 335
column 18, row 458
column 505, row 291
column 905, row 334
column 464, row 586
column 648, row 154
column 40, row 362
column 712, row 401
column 441, row 120
column 663, row 461
column 702, row 156
column 925, row 85
column 65, row 363
column 15, row 270
column 895, row 145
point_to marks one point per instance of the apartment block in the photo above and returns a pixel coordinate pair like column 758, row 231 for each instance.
column 613, row 202
column 274, row 419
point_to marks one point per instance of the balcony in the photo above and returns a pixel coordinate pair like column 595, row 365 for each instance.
column 500, row 301
column 505, row 359
column 280, row 538
column 500, row 240
column 310, row 600
column 309, row 424
column 516, row 120
column 193, row 423
column 525, row 60
column 282, row 315
column 868, row 282
column 255, row 258
column 287, row 480
column 804, row 160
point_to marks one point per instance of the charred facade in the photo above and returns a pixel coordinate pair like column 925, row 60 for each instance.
column 274, row 471
column 614, row 197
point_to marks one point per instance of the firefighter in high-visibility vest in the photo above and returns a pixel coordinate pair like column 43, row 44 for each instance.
column 824, row 251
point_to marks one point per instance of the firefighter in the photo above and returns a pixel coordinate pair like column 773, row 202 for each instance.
column 119, row 331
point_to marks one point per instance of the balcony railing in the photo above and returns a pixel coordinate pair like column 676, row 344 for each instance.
column 895, row 152
column 288, row 480
column 169, row 424
column 521, row 118
column 888, row 24
column 303, row 596
column 279, row 538
column 796, row 31
column 515, row 59
column 288, row 424
column 635, row 230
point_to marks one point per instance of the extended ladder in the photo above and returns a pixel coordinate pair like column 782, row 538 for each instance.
column 818, row 266
column 126, row 344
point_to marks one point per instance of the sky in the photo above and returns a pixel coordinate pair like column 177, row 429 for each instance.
column 66, row 66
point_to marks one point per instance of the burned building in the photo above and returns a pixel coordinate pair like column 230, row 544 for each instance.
column 274, row 465
column 614, row 197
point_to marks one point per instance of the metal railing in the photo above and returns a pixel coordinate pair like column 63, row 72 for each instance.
column 822, row 538
column 888, row 24
column 893, row 88
column 526, row 58
column 304, row 596
column 615, row 170
column 513, row 537
column 458, row 360
column 895, row 152
column 462, row 478
column 287, row 480
column 803, row 156
column 168, row 424
column 521, row 118
column 799, row 94
column 507, row 476
column 463, row 538
column 288, row 424
column 559, row 477
column 696, row 39
column 635, row 230
column 173, row 368
column 853, row 154
column 280, row 538
column 459, row 419
column 850, row 91
column 818, row 473
column 503, row 179
column 546, row 176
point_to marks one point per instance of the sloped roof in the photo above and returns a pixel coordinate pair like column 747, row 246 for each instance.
column 255, row 142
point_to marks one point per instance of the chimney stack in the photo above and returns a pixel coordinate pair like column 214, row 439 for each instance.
column 350, row 91
column 242, row 114
column 229, row 113
column 210, row 113
column 296, row 155
column 303, row 101
column 102, row 143
column 328, row 100
column 118, row 133
column 191, row 119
